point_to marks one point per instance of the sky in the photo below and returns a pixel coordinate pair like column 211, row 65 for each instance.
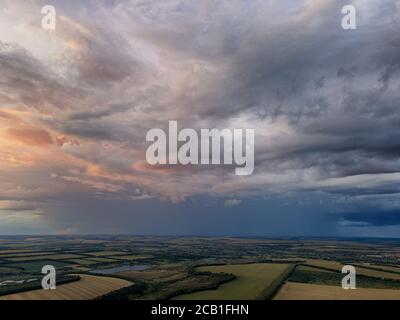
column 76, row 104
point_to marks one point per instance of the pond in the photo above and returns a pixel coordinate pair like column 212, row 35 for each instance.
column 121, row 269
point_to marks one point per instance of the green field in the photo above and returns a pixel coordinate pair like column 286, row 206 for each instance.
column 305, row 274
column 45, row 257
column 16, row 255
column 105, row 253
column 8, row 270
column 36, row 266
column 251, row 281
column 83, row 262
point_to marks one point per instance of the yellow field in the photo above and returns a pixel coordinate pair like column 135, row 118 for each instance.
column 101, row 259
column 303, row 291
column 88, row 287
column 325, row 264
column 251, row 280
column 106, row 253
column 308, row 268
column 132, row 257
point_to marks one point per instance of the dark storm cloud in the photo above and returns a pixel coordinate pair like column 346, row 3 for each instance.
column 106, row 112
column 348, row 124
column 379, row 219
column 88, row 130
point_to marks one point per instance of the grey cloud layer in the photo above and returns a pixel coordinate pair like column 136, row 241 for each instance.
column 323, row 100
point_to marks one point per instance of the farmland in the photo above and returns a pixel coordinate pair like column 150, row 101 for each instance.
column 88, row 287
column 377, row 271
column 252, row 280
column 196, row 267
column 312, row 275
column 302, row 291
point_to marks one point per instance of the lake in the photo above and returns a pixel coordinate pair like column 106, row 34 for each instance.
column 121, row 269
